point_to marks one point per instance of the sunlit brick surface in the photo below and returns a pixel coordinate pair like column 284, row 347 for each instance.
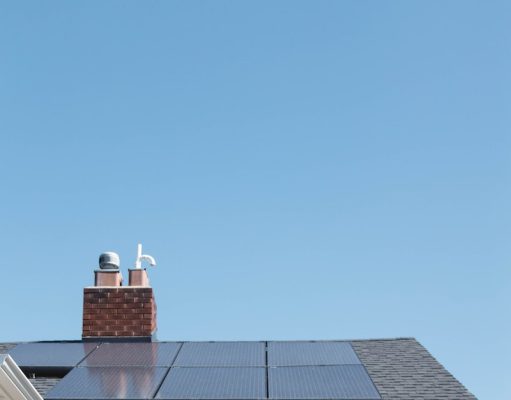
column 118, row 312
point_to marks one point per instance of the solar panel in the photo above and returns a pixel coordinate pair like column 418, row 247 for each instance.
column 50, row 355
column 321, row 382
column 109, row 383
column 132, row 354
column 214, row 383
column 310, row 353
column 222, row 354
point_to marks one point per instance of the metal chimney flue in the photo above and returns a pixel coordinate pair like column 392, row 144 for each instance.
column 108, row 273
column 109, row 260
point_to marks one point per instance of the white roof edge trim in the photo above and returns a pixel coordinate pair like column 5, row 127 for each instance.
column 14, row 385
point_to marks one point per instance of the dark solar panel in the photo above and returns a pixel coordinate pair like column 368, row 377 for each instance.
column 321, row 382
column 109, row 383
column 214, row 383
column 222, row 354
column 50, row 355
column 310, row 353
column 133, row 354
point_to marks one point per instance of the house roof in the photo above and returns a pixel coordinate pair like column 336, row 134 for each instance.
column 399, row 369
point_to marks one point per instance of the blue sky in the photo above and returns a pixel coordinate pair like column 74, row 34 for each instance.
column 300, row 170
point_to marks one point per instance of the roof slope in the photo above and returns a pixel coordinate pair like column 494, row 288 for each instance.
column 399, row 368
column 404, row 369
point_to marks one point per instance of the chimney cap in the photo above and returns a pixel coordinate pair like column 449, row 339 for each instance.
column 109, row 260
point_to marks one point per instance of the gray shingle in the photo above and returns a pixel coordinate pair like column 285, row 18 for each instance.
column 5, row 347
column 43, row 385
column 403, row 369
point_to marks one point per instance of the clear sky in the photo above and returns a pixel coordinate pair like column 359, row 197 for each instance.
column 300, row 170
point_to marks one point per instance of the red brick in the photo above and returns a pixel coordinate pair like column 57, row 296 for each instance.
column 118, row 312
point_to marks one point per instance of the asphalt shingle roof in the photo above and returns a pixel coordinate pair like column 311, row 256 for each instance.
column 5, row 347
column 43, row 385
column 399, row 368
column 403, row 369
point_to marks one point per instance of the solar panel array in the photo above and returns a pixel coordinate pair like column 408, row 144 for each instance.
column 204, row 370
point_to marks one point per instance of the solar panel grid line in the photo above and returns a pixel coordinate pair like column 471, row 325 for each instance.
column 88, row 354
column 168, row 371
column 266, row 370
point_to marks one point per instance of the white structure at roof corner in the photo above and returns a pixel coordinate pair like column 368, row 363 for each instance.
column 14, row 385
column 143, row 257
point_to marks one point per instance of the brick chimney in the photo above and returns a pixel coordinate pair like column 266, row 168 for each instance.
column 116, row 312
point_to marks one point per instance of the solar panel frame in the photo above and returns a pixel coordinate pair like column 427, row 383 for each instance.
column 156, row 354
column 327, row 382
column 302, row 353
column 50, row 355
column 221, row 354
column 214, row 383
column 102, row 383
